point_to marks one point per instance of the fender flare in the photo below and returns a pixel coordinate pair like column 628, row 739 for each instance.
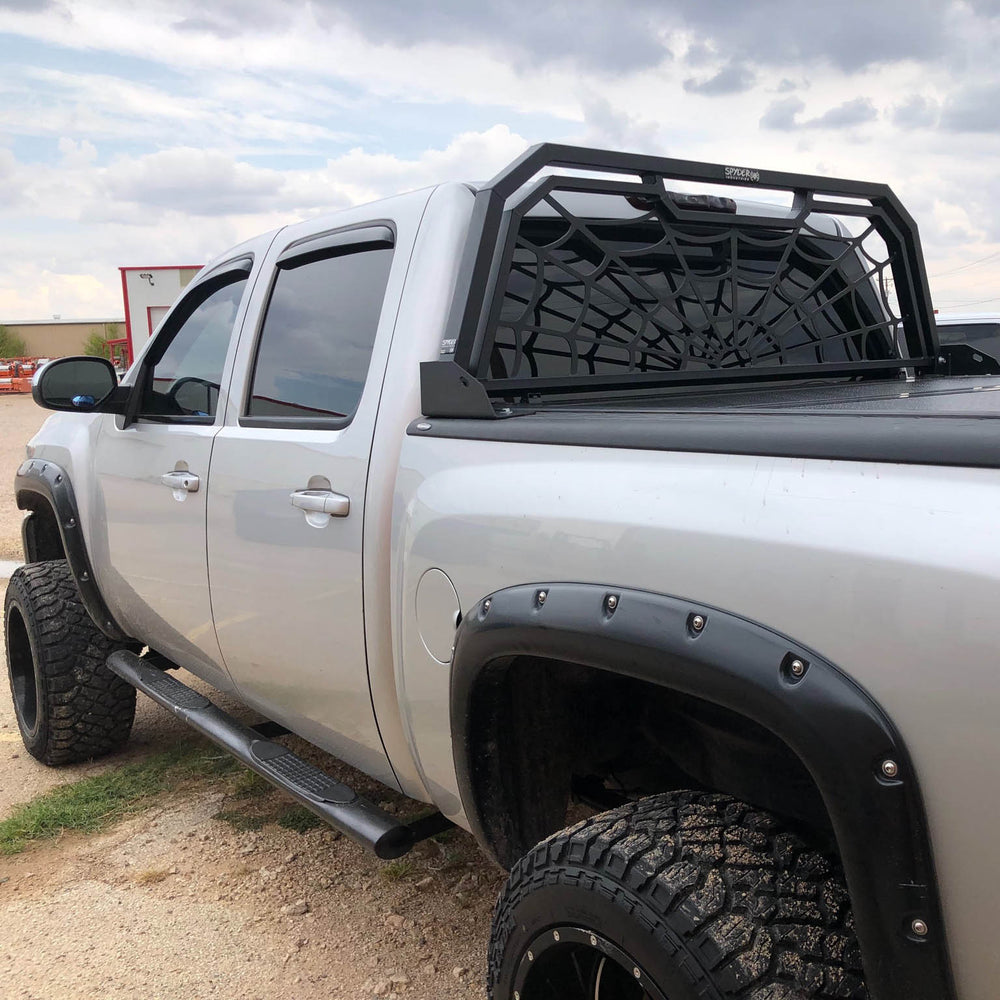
column 41, row 481
column 834, row 726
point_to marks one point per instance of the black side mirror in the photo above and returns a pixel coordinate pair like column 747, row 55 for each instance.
column 79, row 385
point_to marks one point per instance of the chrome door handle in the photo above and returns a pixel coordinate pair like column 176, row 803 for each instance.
column 322, row 502
column 186, row 481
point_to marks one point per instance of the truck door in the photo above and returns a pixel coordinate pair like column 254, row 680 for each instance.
column 152, row 477
column 287, row 503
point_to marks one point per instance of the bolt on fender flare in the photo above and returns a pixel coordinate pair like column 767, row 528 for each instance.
column 39, row 477
column 843, row 737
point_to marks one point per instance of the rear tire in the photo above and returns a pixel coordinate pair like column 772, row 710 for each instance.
column 69, row 706
column 681, row 896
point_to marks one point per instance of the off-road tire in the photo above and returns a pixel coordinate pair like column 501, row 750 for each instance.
column 69, row 706
column 696, row 896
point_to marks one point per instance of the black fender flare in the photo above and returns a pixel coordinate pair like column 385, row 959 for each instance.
column 831, row 723
column 41, row 481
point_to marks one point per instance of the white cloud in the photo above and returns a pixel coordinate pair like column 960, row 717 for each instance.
column 204, row 182
column 186, row 206
column 77, row 155
column 177, row 130
column 469, row 156
column 232, row 112
column 12, row 180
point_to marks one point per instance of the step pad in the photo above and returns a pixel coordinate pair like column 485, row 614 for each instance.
column 296, row 771
column 174, row 691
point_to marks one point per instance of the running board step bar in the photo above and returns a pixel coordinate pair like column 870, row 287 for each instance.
column 332, row 801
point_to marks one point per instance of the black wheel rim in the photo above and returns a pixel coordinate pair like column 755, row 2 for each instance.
column 572, row 963
column 22, row 671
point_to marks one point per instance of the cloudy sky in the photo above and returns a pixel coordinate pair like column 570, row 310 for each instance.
column 162, row 133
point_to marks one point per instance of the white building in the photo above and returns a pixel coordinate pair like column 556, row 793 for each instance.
column 149, row 293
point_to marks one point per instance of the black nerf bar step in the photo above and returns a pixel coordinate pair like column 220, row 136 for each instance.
column 331, row 800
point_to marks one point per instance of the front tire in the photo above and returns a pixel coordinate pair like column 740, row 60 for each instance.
column 69, row 706
column 681, row 896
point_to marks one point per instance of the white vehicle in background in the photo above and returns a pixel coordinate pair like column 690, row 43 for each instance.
column 970, row 342
column 569, row 491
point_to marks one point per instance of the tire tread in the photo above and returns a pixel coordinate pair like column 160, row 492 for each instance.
column 745, row 907
column 85, row 710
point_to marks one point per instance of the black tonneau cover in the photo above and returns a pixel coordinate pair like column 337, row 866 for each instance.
column 965, row 396
column 953, row 422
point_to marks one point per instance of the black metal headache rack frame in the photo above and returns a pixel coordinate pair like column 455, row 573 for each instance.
column 683, row 290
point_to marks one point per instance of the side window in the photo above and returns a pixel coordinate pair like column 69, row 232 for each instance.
column 317, row 337
column 187, row 370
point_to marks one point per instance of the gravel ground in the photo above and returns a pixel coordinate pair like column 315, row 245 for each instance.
column 177, row 902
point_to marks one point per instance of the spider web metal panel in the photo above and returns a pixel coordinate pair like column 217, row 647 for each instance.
column 580, row 284
column 599, row 296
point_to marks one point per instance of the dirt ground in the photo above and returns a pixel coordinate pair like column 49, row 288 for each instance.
column 178, row 902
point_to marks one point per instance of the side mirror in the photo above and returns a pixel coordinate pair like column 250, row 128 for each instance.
column 79, row 385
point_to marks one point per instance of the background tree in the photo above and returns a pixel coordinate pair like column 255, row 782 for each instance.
column 11, row 345
column 96, row 344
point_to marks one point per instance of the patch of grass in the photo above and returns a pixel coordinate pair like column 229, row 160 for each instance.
column 299, row 818
column 95, row 803
column 250, row 785
column 151, row 876
column 240, row 821
column 396, row 871
column 205, row 761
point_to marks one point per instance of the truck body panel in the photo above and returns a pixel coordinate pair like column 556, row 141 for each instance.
column 312, row 590
column 832, row 554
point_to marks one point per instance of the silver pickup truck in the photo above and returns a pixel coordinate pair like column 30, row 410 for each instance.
column 602, row 492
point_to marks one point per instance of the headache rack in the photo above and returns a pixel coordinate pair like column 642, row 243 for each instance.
column 576, row 285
